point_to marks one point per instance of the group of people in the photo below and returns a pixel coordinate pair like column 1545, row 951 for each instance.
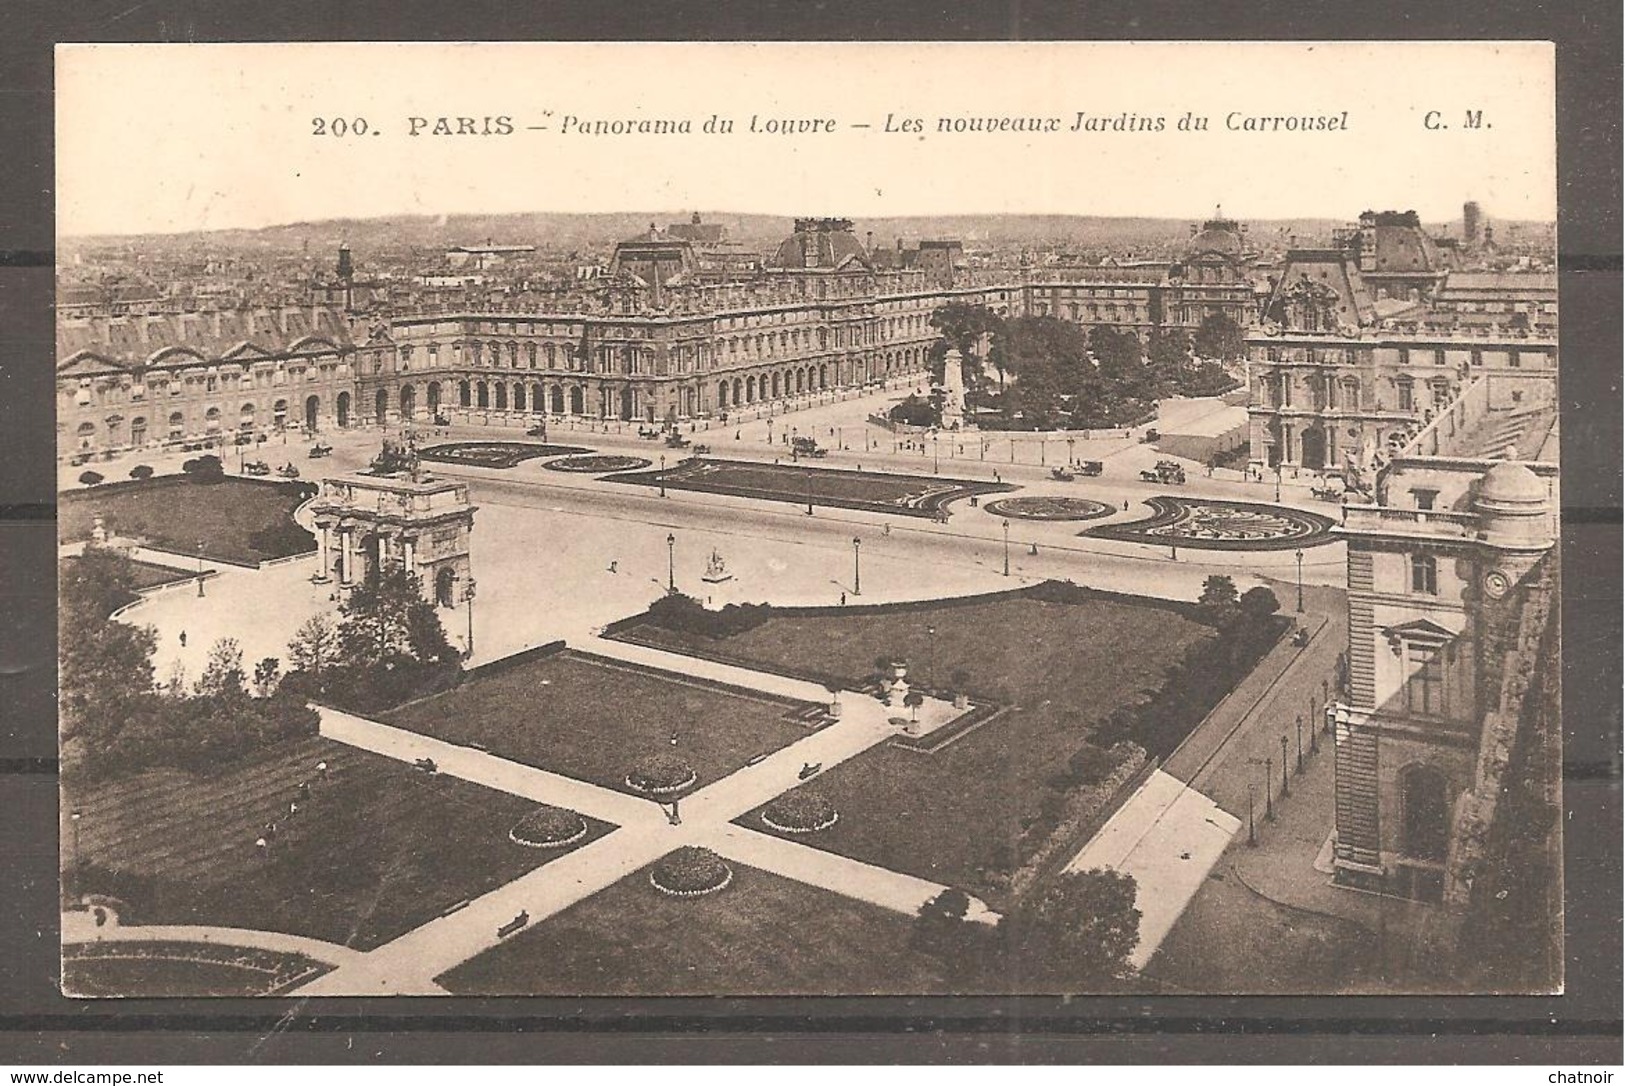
column 268, row 834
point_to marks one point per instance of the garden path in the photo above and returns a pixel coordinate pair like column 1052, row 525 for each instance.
column 1168, row 836
column 409, row 964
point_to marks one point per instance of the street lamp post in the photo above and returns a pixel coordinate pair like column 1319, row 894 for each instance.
column 468, row 597
column 1269, row 789
column 200, row 569
column 1252, row 831
column 662, row 475
column 1300, row 744
column 857, row 572
column 1007, row 548
column 1300, row 581
column 1286, row 786
column 936, row 464
column 931, row 656
column 1278, row 481
column 671, row 564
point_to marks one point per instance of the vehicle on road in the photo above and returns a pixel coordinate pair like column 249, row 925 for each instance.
column 1061, row 475
column 257, row 467
column 318, row 450
column 1091, row 467
column 1169, row 472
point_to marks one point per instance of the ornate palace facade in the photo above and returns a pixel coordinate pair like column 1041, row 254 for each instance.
column 661, row 338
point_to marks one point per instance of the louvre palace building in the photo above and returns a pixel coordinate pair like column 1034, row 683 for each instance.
column 678, row 329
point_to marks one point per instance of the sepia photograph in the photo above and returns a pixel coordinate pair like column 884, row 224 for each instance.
column 745, row 519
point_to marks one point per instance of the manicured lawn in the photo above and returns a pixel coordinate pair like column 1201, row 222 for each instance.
column 956, row 816
column 237, row 520
column 376, row 849
column 763, row 935
column 589, row 718
column 139, row 969
column 144, row 575
column 880, row 492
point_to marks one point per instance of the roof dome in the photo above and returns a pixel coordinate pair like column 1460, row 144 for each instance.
column 1217, row 238
column 1511, row 484
column 1514, row 509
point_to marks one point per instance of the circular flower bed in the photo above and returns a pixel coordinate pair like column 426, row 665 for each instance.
column 661, row 775
column 548, row 827
column 691, row 871
column 493, row 454
column 600, row 463
column 802, row 810
column 1048, row 507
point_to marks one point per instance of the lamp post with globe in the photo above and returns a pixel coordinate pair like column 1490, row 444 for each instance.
column 468, row 598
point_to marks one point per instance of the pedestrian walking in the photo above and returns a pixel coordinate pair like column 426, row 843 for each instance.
column 262, row 846
column 321, row 770
column 293, row 809
column 101, row 916
column 614, row 566
column 843, row 599
column 1125, row 505
column 183, row 639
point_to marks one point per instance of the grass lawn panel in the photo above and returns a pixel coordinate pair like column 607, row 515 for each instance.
column 238, row 520
column 589, row 718
column 763, row 935
column 377, row 849
column 880, row 492
column 139, row 978
column 953, row 815
column 144, row 575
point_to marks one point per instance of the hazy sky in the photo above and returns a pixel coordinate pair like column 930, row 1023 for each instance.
column 190, row 137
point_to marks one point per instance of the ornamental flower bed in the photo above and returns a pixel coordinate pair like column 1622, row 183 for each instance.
column 691, row 871
column 801, row 810
column 661, row 775
column 548, row 827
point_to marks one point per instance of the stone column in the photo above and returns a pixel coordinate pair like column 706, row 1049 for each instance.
column 347, row 568
column 407, row 556
column 326, row 559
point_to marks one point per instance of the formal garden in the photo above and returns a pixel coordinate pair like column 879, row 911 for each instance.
column 606, row 722
column 237, row 520
column 873, row 491
column 1084, row 685
column 356, row 852
column 495, row 454
column 759, row 935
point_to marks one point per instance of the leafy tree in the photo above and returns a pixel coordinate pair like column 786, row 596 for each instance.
column 1259, row 602
column 1076, row 933
column 266, row 673
column 223, row 675
column 90, row 478
column 937, row 925
column 141, row 471
column 961, row 326
column 1169, row 358
column 1219, row 337
column 914, row 699
column 1218, row 591
column 207, row 466
column 314, row 649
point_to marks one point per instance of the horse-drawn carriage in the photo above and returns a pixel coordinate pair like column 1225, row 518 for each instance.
column 319, row 450
column 1062, row 475
column 288, row 471
column 257, row 467
column 806, row 446
column 1169, row 472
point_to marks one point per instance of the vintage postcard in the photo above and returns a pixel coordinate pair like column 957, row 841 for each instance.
column 838, row 519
